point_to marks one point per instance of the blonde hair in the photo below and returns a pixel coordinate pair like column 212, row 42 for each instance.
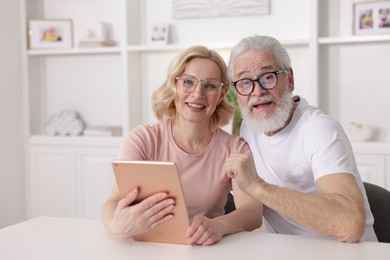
column 163, row 97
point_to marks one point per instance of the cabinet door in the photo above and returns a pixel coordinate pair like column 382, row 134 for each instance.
column 95, row 179
column 51, row 182
column 372, row 168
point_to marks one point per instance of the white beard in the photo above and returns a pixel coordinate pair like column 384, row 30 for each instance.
column 263, row 123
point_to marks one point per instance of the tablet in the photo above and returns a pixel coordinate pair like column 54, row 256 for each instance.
column 152, row 177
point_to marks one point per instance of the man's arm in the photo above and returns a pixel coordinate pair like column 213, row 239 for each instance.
column 338, row 210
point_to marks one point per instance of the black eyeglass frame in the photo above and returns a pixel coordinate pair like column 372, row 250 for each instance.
column 276, row 73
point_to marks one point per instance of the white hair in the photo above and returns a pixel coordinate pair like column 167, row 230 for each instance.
column 259, row 43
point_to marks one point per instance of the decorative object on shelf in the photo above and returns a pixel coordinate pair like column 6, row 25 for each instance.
column 50, row 34
column 360, row 132
column 372, row 17
column 160, row 33
column 218, row 8
column 95, row 43
column 103, row 131
column 67, row 122
column 98, row 37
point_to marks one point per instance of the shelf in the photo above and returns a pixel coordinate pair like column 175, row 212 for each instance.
column 354, row 39
column 75, row 140
column 76, row 51
column 216, row 46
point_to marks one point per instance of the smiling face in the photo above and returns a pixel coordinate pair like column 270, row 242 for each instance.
column 196, row 106
column 264, row 110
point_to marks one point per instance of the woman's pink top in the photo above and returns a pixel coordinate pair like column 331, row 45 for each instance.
column 203, row 177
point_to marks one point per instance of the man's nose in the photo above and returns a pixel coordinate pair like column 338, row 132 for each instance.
column 258, row 90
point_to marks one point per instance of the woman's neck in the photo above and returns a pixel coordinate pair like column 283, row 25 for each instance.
column 191, row 137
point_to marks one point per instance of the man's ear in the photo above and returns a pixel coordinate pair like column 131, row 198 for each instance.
column 291, row 80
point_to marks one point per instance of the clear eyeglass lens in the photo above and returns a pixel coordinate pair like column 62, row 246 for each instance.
column 189, row 84
column 268, row 80
column 244, row 86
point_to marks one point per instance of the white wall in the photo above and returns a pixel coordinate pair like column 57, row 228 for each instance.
column 283, row 15
column 11, row 132
column 224, row 30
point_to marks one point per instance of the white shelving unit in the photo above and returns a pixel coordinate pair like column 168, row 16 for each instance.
column 352, row 85
column 72, row 176
column 333, row 69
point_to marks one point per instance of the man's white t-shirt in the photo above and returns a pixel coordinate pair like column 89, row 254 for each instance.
column 311, row 146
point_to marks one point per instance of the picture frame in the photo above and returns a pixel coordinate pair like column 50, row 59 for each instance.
column 159, row 33
column 372, row 17
column 50, row 34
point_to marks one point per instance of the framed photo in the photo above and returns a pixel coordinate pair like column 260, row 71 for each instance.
column 159, row 33
column 50, row 34
column 372, row 17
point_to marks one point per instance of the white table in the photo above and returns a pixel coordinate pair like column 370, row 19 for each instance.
column 63, row 238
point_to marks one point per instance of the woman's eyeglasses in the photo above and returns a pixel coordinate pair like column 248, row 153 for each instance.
column 189, row 83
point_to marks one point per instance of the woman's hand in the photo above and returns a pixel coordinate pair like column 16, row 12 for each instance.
column 129, row 220
column 203, row 231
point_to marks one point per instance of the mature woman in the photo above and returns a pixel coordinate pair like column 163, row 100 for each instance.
column 191, row 107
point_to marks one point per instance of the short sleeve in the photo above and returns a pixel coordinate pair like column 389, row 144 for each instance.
column 328, row 148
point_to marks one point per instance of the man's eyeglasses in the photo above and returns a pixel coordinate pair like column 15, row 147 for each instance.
column 189, row 83
column 267, row 81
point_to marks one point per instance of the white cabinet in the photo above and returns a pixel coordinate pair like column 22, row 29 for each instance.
column 372, row 168
column 113, row 85
column 51, row 183
column 94, row 178
column 373, row 160
column 69, row 179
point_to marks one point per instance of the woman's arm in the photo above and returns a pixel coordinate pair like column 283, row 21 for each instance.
column 246, row 217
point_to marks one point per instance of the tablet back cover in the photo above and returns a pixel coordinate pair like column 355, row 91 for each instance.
column 152, row 177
